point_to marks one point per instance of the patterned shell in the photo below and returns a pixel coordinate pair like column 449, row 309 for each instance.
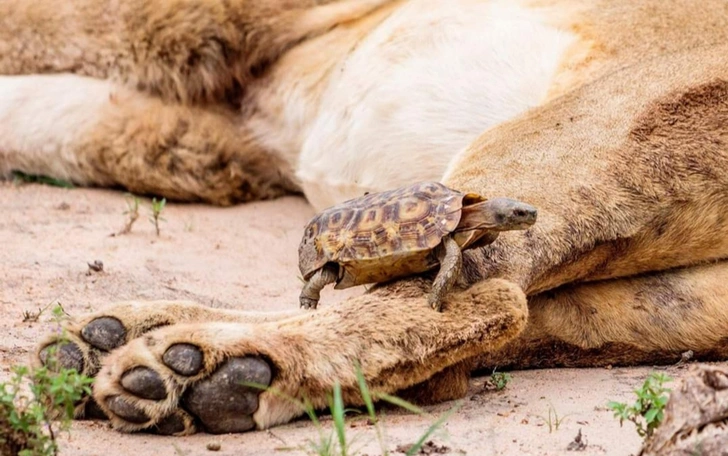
column 381, row 236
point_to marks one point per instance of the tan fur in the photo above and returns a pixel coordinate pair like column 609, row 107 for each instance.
column 182, row 50
column 649, row 319
column 497, row 310
column 642, row 192
column 176, row 159
column 613, row 35
column 626, row 160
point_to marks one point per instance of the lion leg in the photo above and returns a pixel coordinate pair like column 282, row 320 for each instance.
column 648, row 319
column 92, row 132
column 180, row 50
column 176, row 374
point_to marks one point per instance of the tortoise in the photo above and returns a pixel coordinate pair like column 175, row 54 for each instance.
column 395, row 233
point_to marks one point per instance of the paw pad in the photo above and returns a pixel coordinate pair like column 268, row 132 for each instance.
column 172, row 424
column 68, row 356
column 223, row 403
column 185, row 359
column 104, row 333
column 126, row 410
column 145, row 383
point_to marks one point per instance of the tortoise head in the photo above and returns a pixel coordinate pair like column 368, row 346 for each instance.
column 497, row 214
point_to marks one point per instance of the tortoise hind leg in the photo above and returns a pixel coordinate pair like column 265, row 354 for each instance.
column 451, row 261
column 311, row 292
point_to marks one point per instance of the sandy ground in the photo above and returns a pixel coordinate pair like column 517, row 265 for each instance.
column 244, row 257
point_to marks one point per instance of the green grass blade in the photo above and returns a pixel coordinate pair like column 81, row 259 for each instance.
column 401, row 403
column 337, row 413
column 304, row 405
column 431, row 430
column 366, row 396
column 369, row 403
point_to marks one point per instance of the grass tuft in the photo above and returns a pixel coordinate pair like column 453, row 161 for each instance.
column 38, row 404
column 338, row 442
column 648, row 411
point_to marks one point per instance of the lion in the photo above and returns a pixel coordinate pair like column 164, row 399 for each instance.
column 608, row 116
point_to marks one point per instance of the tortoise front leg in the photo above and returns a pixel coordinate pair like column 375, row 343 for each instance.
column 451, row 261
column 311, row 292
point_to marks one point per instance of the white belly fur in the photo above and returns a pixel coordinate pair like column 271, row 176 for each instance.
column 422, row 86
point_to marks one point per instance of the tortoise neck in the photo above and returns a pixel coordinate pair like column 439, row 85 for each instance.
column 477, row 217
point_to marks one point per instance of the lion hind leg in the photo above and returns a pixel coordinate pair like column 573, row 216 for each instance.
column 648, row 319
column 92, row 132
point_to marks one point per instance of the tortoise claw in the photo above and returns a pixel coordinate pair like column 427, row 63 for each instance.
column 308, row 303
column 435, row 302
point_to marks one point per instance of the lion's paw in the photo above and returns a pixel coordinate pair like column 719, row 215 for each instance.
column 175, row 379
column 83, row 344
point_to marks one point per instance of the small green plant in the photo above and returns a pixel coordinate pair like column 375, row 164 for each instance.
column 157, row 208
column 33, row 316
column 338, row 442
column 37, row 404
column 131, row 212
column 552, row 420
column 648, row 410
column 30, row 423
column 499, row 380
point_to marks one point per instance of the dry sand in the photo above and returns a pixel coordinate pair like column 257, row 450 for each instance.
column 245, row 257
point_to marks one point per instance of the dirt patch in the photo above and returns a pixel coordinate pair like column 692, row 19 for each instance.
column 57, row 246
column 428, row 447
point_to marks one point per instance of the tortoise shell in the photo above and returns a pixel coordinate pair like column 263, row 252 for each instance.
column 381, row 236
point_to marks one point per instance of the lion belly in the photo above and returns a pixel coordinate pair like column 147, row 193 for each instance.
column 422, row 86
